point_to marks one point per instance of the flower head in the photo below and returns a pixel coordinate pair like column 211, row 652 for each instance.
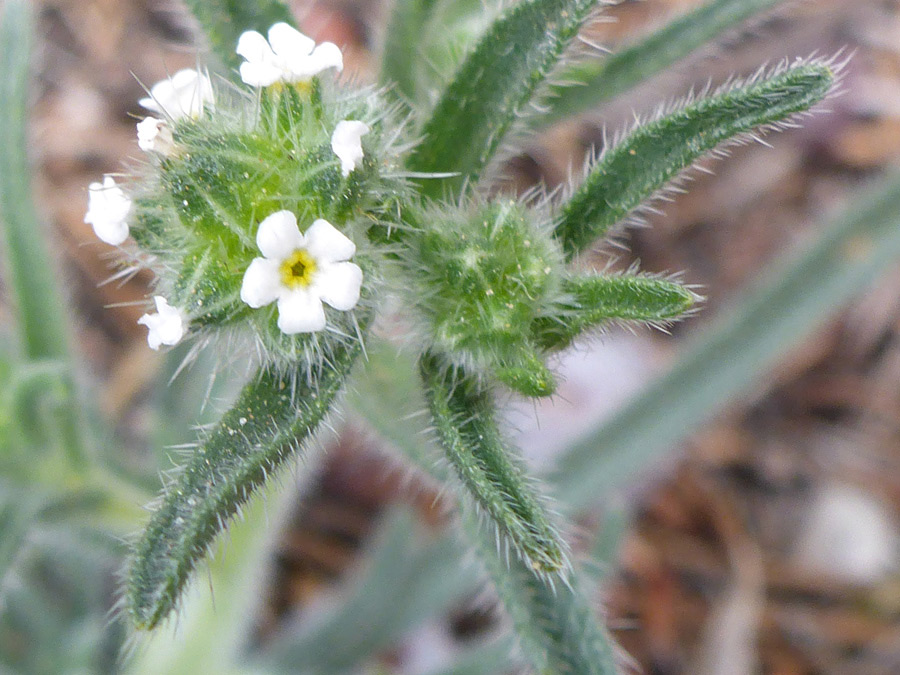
column 167, row 324
column 154, row 135
column 347, row 145
column 182, row 95
column 301, row 272
column 288, row 56
column 108, row 209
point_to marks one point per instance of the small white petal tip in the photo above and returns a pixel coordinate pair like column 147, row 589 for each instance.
column 154, row 135
column 185, row 94
column 167, row 325
column 108, row 211
column 346, row 142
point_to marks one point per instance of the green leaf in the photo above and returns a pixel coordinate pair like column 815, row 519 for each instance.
column 655, row 153
column 223, row 21
column 554, row 623
column 409, row 576
column 31, row 271
column 592, row 300
column 463, row 414
column 796, row 295
column 217, row 617
column 402, row 55
column 492, row 88
column 273, row 416
column 590, row 83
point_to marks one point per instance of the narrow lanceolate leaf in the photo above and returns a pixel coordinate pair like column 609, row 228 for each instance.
column 223, row 21
column 272, row 417
column 31, row 274
column 554, row 623
column 463, row 415
column 798, row 294
column 590, row 83
column 401, row 60
column 492, row 87
column 655, row 153
column 591, row 300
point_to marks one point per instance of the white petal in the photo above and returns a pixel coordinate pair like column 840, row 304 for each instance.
column 183, row 94
column 278, row 236
column 260, row 74
column 327, row 244
column 289, row 43
column 155, row 136
column 166, row 326
column 326, row 55
column 338, row 284
column 346, row 143
column 300, row 311
column 262, row 283
column 253, row 47
column 108, row 210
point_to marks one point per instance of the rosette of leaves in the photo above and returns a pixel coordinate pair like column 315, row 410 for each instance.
column 485, row 277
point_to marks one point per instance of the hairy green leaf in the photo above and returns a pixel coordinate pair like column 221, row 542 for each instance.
column 492, row 87
column 401, row 58
column 590, row 83
column 798, row 294
column 271, row 418
column 655, row 153
column 463, row 414
column 554, row 623
column 591, row 300
column 223, row 21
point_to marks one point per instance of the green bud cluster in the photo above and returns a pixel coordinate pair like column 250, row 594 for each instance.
column 483, row 275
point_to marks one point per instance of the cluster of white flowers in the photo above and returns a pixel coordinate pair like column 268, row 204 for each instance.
column 297, row 271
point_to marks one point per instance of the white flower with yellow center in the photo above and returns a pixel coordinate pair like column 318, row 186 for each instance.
column 108, row 210
column 301, row 272
column 185, row 94
column 167, row 324
column 288, row 56
column 346, row 142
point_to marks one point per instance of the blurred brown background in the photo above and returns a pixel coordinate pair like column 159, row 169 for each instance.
column 771, row 545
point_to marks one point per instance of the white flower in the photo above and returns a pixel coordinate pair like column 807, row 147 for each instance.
column 288, row 56
column 301, row 272
column 166, row 325
column 108, row 209
column 182, row 95
column 155, row 136
column 346, row 143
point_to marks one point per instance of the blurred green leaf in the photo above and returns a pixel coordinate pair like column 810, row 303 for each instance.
column 589, row 83
column 31, row 272
column 797, row 294
column 409, row 576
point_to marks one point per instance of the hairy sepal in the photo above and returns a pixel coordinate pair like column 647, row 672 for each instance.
column 631, row 172
column 272, row 419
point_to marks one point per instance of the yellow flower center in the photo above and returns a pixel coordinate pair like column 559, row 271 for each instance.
column 298, row 269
